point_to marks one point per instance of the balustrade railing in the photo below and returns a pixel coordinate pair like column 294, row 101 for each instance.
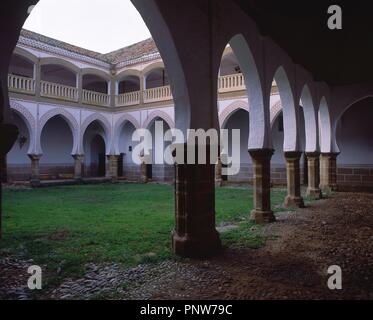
column 21, row 84
column 58, row 91
column 233, row 82
column 96, row 98
column 128, row 99
column 157, row 94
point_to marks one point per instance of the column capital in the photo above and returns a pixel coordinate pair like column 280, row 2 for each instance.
column 332, row 155
column 314, row 154
column 296, row 155
column 78, row 156
column 35, row 157
column 259, row 154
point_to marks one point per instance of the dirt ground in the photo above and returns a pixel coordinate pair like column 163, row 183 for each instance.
column 337, row 231
column 292, row 265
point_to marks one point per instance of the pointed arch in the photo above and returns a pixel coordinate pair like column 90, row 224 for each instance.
column 289, row 111
column 259, row 123
column 106, row 126
column 158, row 114
column 325, row 128
column 66, row 116
column 232, row 109
column 120, row 123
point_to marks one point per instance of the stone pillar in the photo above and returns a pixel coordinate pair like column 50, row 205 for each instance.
column 35, row 170
column 262, row 212
column 113, row 167
column 328, row 172
column 142, row 89
column 143, row 172
column 195, row 234
column 78, row 172
column 37, row 77
column 313, row 189
column 8, row 134
column 294, row 198
column 79, row 85
column 218, row 173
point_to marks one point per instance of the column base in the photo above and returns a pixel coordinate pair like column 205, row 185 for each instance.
column 314, row 193
column 196, row 247
column 261, row 217
column 294, row 202
column 35, row 183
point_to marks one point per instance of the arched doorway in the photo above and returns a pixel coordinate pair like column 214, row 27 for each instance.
column 56, row 143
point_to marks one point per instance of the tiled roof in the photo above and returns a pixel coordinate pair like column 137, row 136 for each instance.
column 134, row 51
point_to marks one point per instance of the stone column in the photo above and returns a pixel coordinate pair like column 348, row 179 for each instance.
column 294, row 198
column 142, row 89
column 79, row 85
column 328, row 172
column 8, row 134
column 262, row 212
column 35, row 170
column 78, row 172
column 313, row 189
column 143, row 172
column 113, row 167
column 195, row 234
column 218, row 173
column 37, row 77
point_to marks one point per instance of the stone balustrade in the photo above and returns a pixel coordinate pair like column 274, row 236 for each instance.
column 24, row 85
column 128, row 99
column 233, row 82
column 20, row 84
column 96, row 98
column 58, row 91
column 157, row 94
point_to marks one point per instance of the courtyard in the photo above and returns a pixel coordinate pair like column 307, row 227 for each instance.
column 66, row 228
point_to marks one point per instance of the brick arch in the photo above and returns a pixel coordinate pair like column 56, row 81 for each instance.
column 29, row 120
column 70, row 120
column 231, row 109
column 158, row 114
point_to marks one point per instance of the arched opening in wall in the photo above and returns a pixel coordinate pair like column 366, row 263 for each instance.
column 229, row 64
column 238, row 120
column 129, row 84
column 278, row 174
column 94, row 142
column 95, row 83
column 57, row 143
column 158, row 170
column 126, row 166
column 17, row 162
column 58, row 74
column 355, row 162
column 156, row 78
column 21, row 66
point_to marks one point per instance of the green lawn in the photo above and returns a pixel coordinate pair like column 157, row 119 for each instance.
column 65, row 227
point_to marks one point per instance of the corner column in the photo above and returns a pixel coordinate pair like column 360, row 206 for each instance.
column 78, row 176
column 294, row 198
column 313, row 189
column 262, row 212
column 328, row 172
column 195, row 234
column 113, row 167
column 35, row 170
